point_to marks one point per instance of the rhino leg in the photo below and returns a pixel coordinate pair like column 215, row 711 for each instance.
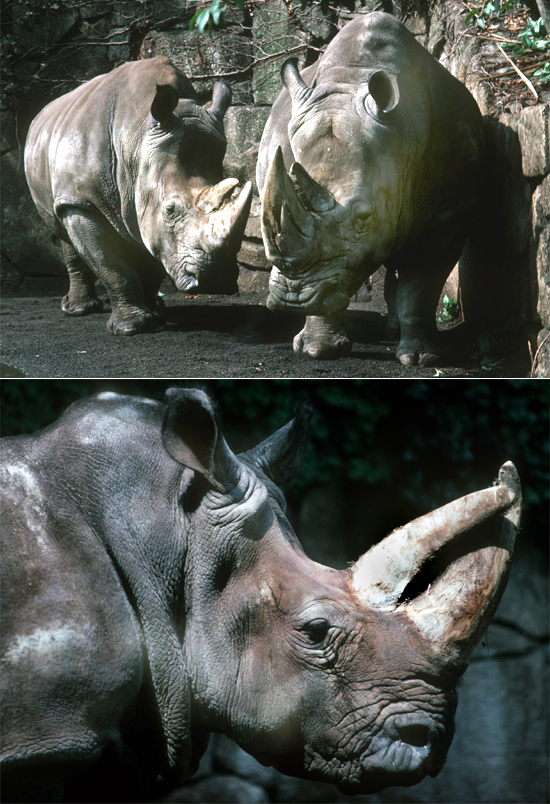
column 421, row 276
column 390, row 296
column 81, row 298
column 323, row 337
column 129, row 274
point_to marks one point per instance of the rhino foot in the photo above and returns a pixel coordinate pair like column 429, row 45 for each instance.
column 133, row 325
column 82, row 307
column 420, row 353
column 323, row 338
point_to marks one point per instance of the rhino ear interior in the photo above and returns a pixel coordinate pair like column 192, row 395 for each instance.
column 164, row 103
column 384, row 91
column 280, row 456
column 190, row 431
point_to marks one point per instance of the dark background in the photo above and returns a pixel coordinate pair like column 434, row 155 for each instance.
column 393, row 449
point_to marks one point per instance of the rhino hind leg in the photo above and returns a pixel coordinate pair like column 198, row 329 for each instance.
column 125, row 270
column 82, row 297
column 323, row 337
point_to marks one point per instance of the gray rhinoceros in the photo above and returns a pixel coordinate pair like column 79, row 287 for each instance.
column 127, row 171
column 374, row 155
column 153, row 592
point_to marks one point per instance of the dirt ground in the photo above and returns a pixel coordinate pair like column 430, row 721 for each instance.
column 221, row 336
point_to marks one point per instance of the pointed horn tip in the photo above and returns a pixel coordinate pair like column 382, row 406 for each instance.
column 508, row 478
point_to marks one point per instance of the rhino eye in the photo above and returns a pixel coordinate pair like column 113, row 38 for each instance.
column 316, row 630
column 172, row 207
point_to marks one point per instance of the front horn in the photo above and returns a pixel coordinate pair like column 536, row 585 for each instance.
column 228, row 213
column 288, row 227
column 467, row 571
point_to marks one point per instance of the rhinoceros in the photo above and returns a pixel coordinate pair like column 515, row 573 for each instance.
column 153, row 592
column 372, row 156
column 127, row 171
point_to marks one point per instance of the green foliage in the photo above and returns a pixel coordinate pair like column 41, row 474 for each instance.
column 450, row 309
column 535, row 39
column 213, row 15
column 484, row 12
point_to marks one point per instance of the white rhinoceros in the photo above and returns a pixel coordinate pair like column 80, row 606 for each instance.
column 153, row 592
column 373, row 156
column 127, row 171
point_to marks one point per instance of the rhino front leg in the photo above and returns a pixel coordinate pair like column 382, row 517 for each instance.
column 127, row 272
column 420, row 280
column 323, row 337
column 390, row 297
column 82, row 298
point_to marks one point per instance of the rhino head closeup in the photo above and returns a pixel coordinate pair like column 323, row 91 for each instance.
column 189, row 220
column 153, row 592
column 342, row 676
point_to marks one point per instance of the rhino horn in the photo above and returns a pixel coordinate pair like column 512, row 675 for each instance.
column 287, row 227
column 471, row 570
column 221, row 99
column 228, row 212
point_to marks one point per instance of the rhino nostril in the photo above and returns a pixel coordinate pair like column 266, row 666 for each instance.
column 416, row 735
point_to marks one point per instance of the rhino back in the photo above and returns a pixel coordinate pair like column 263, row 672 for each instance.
column 83, row 148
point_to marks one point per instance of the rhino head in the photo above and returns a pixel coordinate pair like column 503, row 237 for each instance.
column 332, row 219
column 190, row 220
column 342, row 676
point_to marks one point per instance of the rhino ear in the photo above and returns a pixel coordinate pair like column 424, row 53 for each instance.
column 164, row 103
column 280, row 456
column 192, row 436
column 383, row 92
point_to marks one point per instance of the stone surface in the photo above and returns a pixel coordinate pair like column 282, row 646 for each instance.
column 534, row 136
column 540, row 246
column 26, row 241
column 541, row 356
column 275, row 39
column 244, row 127
column 252, row 256
column 543, row 276
column 204, row 59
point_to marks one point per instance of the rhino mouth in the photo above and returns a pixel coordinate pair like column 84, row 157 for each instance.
column 203, row 275
column 317, row 297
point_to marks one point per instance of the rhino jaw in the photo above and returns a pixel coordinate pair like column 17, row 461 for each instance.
column 453, row 611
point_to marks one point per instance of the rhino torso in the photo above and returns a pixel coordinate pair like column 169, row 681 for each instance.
column 396, row 144
column 127, row 171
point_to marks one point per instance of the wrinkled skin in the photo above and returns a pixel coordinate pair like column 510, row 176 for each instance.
column 154, row 592
column 127, row 171
column 374, row 155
